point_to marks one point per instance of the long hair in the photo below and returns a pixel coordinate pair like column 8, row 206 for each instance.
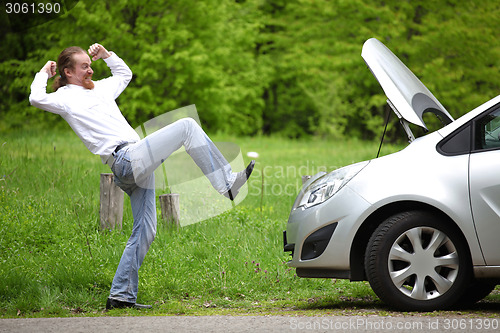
column 65, row 60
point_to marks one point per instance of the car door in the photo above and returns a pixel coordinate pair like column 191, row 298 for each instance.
column 484, row 178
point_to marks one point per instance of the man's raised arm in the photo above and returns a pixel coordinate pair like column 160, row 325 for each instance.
column 120, row 71
column 38, row 96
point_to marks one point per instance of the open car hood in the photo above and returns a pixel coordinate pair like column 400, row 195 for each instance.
column 407, row 96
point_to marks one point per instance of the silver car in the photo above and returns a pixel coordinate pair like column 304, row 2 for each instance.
column 421, row 225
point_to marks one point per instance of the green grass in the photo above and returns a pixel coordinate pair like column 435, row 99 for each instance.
column 54, row 261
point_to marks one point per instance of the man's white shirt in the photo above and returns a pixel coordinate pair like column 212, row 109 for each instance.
column 92, row 113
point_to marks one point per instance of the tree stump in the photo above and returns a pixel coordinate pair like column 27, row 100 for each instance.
column 111, row 208
column 170, row 210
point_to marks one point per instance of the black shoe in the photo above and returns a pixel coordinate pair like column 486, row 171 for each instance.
column 241, row 178
column 115, row 304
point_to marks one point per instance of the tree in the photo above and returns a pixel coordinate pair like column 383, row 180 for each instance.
column 290, row 67
column 189, row 52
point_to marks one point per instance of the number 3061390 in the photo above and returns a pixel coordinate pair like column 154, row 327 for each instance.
column 32, row 8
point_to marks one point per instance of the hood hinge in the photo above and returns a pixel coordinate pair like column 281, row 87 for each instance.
column 404, row 123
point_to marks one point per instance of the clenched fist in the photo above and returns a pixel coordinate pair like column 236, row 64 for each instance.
column 97, row 51
column 49, row 68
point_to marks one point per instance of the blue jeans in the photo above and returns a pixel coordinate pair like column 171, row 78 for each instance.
column 143, row 202
column 150, row 152
column 134, row 168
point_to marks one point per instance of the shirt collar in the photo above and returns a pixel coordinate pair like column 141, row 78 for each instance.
column 74, row 86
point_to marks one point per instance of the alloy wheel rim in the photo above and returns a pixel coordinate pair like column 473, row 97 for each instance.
column 423, row 263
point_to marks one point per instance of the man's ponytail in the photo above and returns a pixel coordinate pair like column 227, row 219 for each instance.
column 58, row 83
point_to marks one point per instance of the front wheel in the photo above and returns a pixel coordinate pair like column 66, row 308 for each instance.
column 415, row 262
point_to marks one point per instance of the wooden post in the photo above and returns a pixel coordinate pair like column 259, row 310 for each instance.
column 170, row 210
column 305, row 179
column 111, row 210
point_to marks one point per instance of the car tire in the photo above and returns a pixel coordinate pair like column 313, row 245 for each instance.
column 475, row 291
column 416, row 262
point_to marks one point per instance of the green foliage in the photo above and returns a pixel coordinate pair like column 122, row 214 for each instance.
column 264, row 66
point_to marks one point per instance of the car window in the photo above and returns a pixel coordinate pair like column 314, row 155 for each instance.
column 457, row 143
column 487, row 131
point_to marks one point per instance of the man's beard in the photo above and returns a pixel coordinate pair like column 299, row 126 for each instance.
column 88, row 83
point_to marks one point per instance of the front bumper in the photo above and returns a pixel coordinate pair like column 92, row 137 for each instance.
column 320, row 237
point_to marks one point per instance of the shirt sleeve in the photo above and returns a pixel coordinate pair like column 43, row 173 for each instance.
column 121, row 76
column 39, row 97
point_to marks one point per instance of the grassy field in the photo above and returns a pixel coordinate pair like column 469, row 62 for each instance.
column 54, row 261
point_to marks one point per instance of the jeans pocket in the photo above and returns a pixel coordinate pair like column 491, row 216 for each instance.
column 122, row 169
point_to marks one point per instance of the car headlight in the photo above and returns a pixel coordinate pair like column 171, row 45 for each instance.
column 326, row 186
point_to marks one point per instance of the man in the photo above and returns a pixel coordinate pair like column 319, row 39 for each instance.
column 90, row 109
